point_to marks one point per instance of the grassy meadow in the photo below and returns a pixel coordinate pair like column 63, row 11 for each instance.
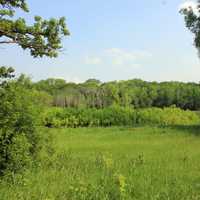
column 111, row 139
column 113, row 163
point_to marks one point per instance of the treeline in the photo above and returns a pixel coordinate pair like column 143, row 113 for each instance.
column 132, row 93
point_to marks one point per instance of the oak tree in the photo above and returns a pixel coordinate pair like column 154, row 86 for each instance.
column 43, row 38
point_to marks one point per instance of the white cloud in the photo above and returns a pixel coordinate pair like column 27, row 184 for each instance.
column 92, row 60
column 121, row 57
column 190, row 5
column 118, row 57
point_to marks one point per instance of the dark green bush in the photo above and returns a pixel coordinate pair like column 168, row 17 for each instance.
column 18, row 153
column 18, row 122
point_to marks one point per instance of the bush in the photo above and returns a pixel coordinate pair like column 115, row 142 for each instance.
column 118, row 116
column 167, row 116
column 18, row 153
column 113, row 116
column 18, row 121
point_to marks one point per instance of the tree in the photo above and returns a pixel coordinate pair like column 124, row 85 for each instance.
column 42, row 39
column 5, row 74
column 192, row 20
column 18, row 101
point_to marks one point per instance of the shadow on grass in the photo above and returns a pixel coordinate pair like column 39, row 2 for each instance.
column 192, row 129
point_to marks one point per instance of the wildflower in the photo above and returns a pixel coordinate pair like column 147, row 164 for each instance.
column 120, row 181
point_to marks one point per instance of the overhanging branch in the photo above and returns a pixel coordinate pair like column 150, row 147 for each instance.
column 8, row 42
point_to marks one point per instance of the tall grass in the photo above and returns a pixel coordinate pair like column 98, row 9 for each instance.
column 112, row 163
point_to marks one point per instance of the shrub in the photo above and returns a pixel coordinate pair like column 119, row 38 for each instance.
column 118, row 116
column 167, row 116
column 18, row 121
column 113, row 116
column 18, row 153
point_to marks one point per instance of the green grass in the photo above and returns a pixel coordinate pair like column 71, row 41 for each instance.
column 146, row 163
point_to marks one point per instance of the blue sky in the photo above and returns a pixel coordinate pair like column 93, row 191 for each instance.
column 113, row 40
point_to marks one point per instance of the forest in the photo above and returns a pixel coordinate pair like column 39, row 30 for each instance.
column 133, row 93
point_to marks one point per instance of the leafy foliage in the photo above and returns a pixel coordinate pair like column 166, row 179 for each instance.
column 192, row 21
column 6, row 73
column 118, row 116
column 132, row 93
column 42, row 39
column 19, row 140
column 18, row 120
column 20, row 108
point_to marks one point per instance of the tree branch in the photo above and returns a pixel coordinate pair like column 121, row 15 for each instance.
column 8, row 42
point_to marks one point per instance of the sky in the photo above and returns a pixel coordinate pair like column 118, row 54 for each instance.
column 112, row 40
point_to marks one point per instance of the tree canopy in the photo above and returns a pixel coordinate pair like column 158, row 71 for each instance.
column 131, row 93
column 43, row 38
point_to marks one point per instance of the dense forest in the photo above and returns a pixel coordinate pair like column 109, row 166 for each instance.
column 132, row 93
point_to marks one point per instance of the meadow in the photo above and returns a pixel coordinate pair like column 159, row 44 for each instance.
column 143, row 163
column 96, row 140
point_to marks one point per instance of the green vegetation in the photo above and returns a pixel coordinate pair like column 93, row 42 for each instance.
column 121, row 162
column 20, row 140
column 140, row 141
column 42, row 39
column 132, row 93
column 113, row 163
column 19, row 102
column 192, row 21
column 118, row 116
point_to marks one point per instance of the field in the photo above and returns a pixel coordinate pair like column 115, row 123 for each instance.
column 113, row 163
